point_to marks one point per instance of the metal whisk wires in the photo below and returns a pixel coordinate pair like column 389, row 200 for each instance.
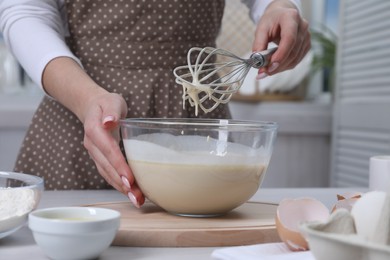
column 214, row 75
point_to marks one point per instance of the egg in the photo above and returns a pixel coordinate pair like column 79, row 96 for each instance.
column 372, row 216
column 346, row 200
column 291, row 213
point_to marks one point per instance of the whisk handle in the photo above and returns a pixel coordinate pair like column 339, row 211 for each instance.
column 262, row 58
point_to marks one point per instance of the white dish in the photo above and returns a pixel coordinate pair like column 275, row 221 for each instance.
column 74, row 232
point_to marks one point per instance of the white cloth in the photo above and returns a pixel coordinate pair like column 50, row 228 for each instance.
column 270, row 251
column 34, row 30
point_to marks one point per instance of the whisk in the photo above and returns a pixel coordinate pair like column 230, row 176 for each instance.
column 215, row 75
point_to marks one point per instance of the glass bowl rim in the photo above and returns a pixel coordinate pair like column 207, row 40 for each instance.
column 200, row 122
column 32, row 180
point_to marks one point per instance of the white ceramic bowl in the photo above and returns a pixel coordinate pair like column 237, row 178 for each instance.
column 74, row 232
column 19, row 195
column 198, row 167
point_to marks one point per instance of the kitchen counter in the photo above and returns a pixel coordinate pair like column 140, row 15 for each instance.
column 21, row 245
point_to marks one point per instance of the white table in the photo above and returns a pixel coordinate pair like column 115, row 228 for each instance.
column 21, row 245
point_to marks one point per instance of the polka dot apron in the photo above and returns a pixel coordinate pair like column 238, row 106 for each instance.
column 128, row 47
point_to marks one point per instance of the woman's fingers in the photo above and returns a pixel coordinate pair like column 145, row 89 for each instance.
column 303, row 50
column 104, row 166
column 107, row 159
column 101, row 139
column 282, row 24
column 299, row 45
column 120, row 183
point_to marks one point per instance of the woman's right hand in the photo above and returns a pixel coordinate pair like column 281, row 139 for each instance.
column 101, row 139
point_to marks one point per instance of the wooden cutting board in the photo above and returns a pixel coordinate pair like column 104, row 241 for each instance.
column 150, row 226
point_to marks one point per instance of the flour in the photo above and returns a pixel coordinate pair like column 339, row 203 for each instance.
column 16, row 202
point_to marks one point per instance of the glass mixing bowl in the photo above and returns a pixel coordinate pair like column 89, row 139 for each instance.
column 198, row 167
column 19, row 195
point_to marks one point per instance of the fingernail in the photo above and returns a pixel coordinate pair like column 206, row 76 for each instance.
column 126, row 182
column 109, row 122
column 261, row 75
column 108, row 119
column 133, row 199
column 274, row 66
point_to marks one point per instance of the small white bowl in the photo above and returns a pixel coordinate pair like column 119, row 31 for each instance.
column 74, row 232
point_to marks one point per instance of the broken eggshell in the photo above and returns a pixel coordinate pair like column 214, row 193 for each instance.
column 346, row 200
column 291, row 213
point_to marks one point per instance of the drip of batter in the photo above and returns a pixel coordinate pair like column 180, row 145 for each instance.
column 202, row 80
column 191, row 92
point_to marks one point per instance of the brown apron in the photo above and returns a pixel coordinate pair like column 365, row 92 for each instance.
column 127, row 47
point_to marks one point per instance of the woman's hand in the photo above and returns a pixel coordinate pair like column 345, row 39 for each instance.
column 101, row 139
column 281, row 23
column 99, row 111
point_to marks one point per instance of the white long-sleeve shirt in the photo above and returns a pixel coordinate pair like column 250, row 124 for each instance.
column 34, row 31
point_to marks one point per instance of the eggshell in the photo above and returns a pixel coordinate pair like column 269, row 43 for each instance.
column 349, row 195
column 346, row 200
column 293, row 212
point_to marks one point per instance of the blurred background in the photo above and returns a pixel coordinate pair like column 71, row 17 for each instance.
column 331, row 109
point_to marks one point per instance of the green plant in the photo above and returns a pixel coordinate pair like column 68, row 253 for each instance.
column 324, row 43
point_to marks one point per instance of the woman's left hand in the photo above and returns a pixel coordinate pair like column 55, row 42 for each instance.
column 282, row 24
column 100, row 112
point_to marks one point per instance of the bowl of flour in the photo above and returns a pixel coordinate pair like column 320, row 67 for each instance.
column 19, row 195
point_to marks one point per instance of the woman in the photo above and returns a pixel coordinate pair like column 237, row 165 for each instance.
column 100, row 61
